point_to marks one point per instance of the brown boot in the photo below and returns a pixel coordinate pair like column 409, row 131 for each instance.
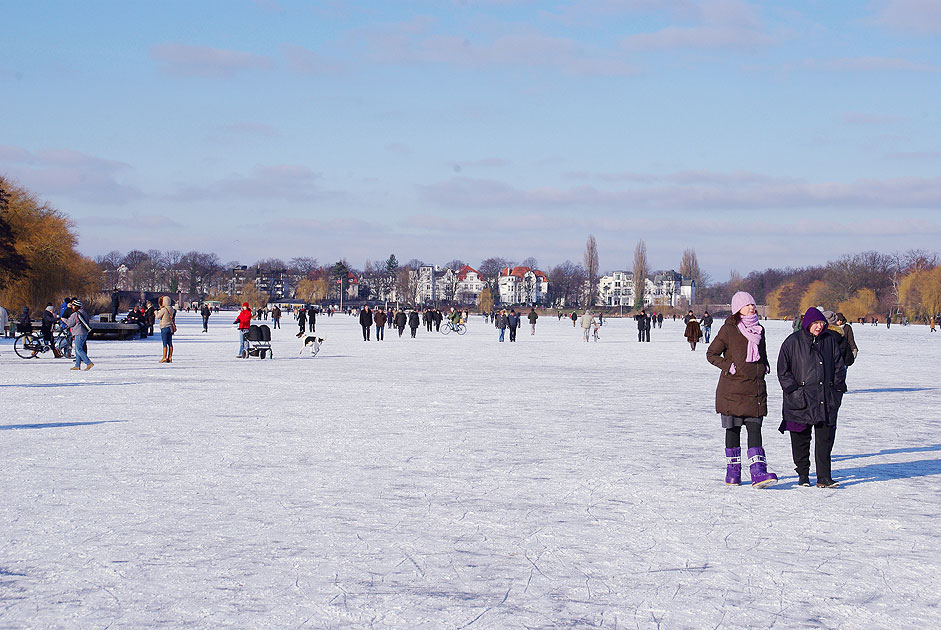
column 170, row 355
column 164, row 359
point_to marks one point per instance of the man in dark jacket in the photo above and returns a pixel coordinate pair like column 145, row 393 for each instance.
column 643, row 326
column 312, row 317
column 400, row 320
column 513, row 322
column 49, row 319
column 365, row 320
column 850, row 339
column 115, row 298
column 813, row 376
column 500, row 323
column 205, row 311
column 533, row 316
column 379, row 318
column 413, row 321
column 706, row 326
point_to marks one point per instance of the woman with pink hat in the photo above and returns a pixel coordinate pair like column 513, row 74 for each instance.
column 741, row 395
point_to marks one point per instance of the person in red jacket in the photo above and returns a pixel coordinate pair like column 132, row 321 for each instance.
column 244, row 320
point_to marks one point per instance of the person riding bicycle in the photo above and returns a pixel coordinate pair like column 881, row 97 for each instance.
column 454, row 316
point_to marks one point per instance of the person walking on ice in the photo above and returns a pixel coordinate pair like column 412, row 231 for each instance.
column 739, row 350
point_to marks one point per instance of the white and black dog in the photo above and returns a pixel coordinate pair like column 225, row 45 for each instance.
column 312, row 341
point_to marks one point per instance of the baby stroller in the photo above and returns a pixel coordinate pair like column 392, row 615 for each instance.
column 259, row 341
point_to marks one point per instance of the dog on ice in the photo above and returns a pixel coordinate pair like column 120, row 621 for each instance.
column 311, row 341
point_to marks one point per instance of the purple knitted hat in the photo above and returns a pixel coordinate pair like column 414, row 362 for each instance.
column 740, row 300
column 812, row 315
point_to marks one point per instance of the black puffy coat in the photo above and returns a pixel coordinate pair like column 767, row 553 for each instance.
column 813, row 376
column 413, row 320
column 365, row 318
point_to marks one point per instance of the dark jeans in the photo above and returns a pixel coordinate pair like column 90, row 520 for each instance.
column 276, row 322
column 512, row 334
column 414, row 330
column 643, row 335
column 379, row 332
column 800, row 449
column 205, row 324
column 366, row 328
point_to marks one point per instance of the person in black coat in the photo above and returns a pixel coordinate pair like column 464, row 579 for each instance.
column 413, row 321
column 115, row 298
column 813, row 376
column 365, row 320
column 301, row 321
column 312, row 318
column 205, row 312
column 513, row 322
column 643, row 326
column 400, row 320
column 49, row 319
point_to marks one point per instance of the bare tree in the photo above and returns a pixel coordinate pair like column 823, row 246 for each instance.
column 530, row 262
column 490, row 269
column 591, row 268
column 641, row 270
column 303, row 265
column 455, row 264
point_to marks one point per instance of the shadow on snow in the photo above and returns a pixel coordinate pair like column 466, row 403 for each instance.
column 53, row 425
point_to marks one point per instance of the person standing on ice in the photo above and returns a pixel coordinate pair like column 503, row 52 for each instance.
column 167, row 317
column 79, row 327
column 500, row 323
column 205, row 312
column 533, row 316
column 413, row 321
column 740, row 351
column 643, row 326
column 693, row 332
column 379, row 318
column 706, row 326
column 813, row 376
column 301, row 321
column 400, row 320
column 513, row 322
column 244, row 321
column 365, row 321
column 586, row 323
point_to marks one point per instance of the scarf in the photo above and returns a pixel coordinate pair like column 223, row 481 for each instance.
column 750, row 327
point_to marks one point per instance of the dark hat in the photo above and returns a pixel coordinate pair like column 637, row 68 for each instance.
column 812, row 315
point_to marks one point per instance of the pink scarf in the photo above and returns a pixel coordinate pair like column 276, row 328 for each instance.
column 750, row 327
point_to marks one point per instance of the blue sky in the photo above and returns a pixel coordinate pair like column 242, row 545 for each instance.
column 780, row 133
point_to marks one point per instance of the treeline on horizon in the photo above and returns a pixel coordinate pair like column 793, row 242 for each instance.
column 39, row 264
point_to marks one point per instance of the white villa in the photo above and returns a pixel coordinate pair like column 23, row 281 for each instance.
column 522, row 285
column 668, row 288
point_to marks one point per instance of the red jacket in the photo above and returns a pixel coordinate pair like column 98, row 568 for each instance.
column 244, row 319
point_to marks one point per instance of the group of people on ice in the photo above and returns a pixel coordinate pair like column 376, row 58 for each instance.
column 811, row 370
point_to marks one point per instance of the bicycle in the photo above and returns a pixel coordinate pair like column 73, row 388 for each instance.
column 29, row 345
column 594, row 333
column 449, row 326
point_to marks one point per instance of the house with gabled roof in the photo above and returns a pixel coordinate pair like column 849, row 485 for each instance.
column 523, row 285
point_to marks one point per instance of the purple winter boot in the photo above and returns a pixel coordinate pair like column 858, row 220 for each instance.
column 760, row 477
column 733, row 468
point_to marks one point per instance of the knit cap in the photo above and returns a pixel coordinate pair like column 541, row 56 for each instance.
column 740, row 300
column 812, row 315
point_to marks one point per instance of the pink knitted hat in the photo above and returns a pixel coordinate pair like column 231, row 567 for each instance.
column 740, row 300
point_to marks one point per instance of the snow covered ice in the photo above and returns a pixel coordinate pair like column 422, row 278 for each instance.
column 455, row 482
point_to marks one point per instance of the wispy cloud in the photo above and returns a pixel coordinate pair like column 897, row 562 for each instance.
column 870, row 64
column 721, row 24
column 136, row 222
column 183, row 60
column 302, row 60
column 414, row 41
column 913, row 16
column 287, row 182
column 70, row 173
column 694, row 191
column 864, row 118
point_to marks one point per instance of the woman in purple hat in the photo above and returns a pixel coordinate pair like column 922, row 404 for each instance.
column 741, row 395
column 813, row 376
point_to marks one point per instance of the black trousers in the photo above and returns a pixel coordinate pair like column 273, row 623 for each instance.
column 512, row 334
column 800, row 449
column 643, row 335
column 733, row 436
column 366, row 328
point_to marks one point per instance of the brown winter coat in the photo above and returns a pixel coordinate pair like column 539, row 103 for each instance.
column 743, row 393
column 379, row 318
column 693, row 331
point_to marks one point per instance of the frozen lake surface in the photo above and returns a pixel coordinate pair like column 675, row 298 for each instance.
column 455, row 482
